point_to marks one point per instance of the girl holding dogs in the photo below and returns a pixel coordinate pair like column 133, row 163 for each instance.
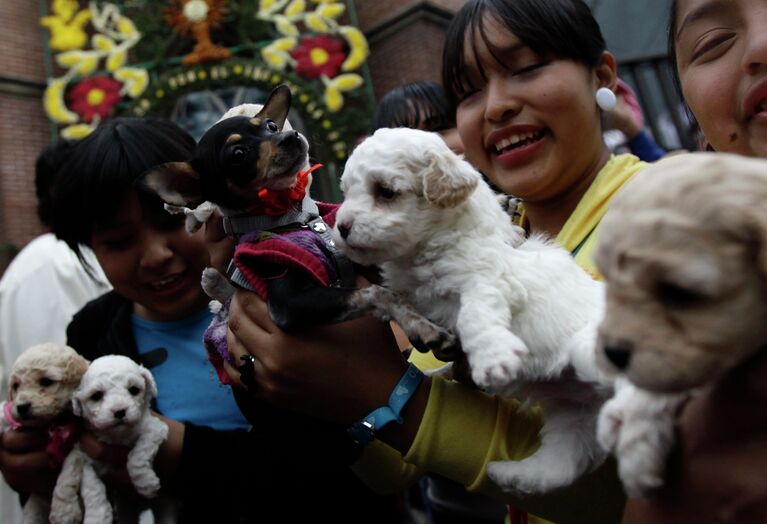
column 523, row 77
column 214, row 464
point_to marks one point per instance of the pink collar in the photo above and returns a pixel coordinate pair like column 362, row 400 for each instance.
column 12, row 422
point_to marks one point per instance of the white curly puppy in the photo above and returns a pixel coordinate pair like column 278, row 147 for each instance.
column 114, row 400
column 42, row 381
column 525, row 316
column 683, row 250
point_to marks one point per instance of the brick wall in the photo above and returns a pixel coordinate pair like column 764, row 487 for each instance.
column 24, row 129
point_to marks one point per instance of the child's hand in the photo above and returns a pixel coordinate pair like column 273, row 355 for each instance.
column 24, row 462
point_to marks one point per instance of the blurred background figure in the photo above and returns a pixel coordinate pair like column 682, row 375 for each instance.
column 418, row 105
column 625, row 127
column 40, row 291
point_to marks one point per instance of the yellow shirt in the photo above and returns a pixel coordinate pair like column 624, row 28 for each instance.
column 463, row 429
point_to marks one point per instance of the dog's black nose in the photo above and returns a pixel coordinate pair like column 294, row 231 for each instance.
column 289, row 138
column 344, row 230
column 120, row 413
column 619, row 354
column 23, row 409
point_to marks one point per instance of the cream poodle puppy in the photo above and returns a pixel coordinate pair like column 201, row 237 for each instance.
column 114, row 399
column 525, row 314
column 684, row 251
column 42, row 382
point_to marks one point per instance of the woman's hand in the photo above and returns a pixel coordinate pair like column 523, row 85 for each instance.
column 24, row 462
column 718, row 470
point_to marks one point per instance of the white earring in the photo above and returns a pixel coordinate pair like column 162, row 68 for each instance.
column 606, row 99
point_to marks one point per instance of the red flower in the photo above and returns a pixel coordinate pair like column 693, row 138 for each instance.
column 319, row 56
column 94, row 96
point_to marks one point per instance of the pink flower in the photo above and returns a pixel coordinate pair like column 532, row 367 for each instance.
column 94, row 96
column 319, row 56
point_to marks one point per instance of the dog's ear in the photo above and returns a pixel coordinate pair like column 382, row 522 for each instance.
column 448, row 180
column 151, row 386
column 276, row 107
column 176, row 183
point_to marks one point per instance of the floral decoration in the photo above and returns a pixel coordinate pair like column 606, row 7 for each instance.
column 94, row 97
column 318, row 56
column 135, row 60
column 307, row 56
column 93, row 94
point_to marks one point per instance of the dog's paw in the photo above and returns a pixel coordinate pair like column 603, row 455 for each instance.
column 638, row 428
column 215, row 285
column 609, row 424
column 496, row 374
column 147, row 483
column 497, row 368
column 430, row 337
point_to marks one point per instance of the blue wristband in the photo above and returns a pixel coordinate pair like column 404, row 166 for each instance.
column 364, row 431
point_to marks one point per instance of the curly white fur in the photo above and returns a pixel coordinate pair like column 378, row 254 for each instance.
column 114, row 400
column 526, row 316
column 42, row 381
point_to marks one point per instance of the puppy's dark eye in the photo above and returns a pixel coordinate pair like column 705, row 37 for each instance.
column 134, row 390
column 238, row 155
column 96, row 396
column 45, row 382
column 15, row 386
column 272, row 126
column 672, row 295
column 384, row 193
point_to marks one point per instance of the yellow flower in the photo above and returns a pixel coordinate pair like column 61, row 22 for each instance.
column 78, row 131
column 295, row 8
column 135, row 80
column 333, row 99
column 82, row 63
column 53, row 102
column 347, row 82
column 285, row 26
column 67, row 31
column 358, row 46
column 117, row 59
column 316, row 23
column 330, row 10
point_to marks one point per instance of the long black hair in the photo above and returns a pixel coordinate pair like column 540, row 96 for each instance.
column 556, row 28
column 103, row 168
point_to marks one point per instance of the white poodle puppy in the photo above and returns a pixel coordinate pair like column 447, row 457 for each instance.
column 525, row 314
column 42, row 381
column 114, row 400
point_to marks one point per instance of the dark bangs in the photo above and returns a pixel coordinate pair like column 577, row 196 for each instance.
column 563, row 29
column 103, row 170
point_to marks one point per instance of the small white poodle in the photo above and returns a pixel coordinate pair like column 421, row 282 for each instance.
column 42, row 381
column 114, row 400
column 525, row 314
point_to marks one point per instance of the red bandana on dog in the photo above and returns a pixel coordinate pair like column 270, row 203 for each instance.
column 275, row 203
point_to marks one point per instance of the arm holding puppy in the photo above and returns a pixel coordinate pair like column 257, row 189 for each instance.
column 345, row 371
